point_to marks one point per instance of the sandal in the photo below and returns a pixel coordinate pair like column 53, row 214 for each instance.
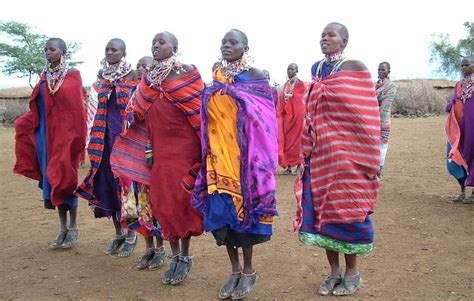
column 145, row 260
column 469, row 200
column 246, row 283
column 230, row 285
column 117, row 242
column 128, row 247
column 459, row 198
column 287, row 171
column 71, row 238
column 348, row 286
column 158, row 260
column 58, row 241
column 328, row 286
column 168, row 276
column 182, row 270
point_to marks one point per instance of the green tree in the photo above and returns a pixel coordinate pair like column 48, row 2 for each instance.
column 23, row 53
column 448, row 56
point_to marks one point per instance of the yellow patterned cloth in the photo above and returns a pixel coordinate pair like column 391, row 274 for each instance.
column 223, row 157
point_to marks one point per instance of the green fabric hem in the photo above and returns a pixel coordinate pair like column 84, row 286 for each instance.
column 333, row 244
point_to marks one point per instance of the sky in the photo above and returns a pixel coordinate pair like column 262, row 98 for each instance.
column 279, row 32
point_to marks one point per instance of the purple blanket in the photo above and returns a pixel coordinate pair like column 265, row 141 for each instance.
column 257, row 136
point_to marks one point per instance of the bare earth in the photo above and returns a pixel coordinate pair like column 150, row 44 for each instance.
column 424, row 246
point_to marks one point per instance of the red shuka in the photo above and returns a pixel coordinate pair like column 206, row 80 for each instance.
column 290, row 116
column 65, row 137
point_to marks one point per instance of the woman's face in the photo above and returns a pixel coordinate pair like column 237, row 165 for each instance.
column 52, row 52
column 383, row 71
column 142, row 66
column 467, row 67
column 232, row 47
column 331, row 40
column 162, row 47
column 114, row 52
column 291, row 71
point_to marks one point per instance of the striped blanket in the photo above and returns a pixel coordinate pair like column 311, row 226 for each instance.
column 128, row 157
column 386, row 92
column 342, row 136
column 96, row 126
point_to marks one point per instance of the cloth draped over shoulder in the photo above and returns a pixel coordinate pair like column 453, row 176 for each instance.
column 65, row 137
column 342, row 136
column 97, row 122
column 245, row 169
column 453, row 128
column 128, row 156
column 386, row 92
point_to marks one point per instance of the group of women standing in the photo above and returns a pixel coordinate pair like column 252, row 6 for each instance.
column 172, row 157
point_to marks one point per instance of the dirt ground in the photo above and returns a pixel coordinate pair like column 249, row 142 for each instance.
column 424, row 247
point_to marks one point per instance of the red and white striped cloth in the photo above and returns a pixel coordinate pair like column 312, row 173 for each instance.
column 342, row 136
column 91, row 109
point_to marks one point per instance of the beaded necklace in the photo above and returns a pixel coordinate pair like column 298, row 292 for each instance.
column 160, row 70
column 55, row 76
column 466, row 88
column 231, row 69
column 289, row 87
column 334, row 59
column 113, row 72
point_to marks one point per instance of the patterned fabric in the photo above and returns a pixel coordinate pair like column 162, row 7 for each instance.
column 460, row 131
column 342, row 137
column 386, row 92
column 129, row 157
column 346, row 237
column 257, row 141
column 334, row 245
column 184, row 95
column 97, row 132
column 144, row 223
column 223, row 157
column 452, row 127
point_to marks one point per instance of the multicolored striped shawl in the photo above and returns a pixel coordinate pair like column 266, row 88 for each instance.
column 386, row 91
column 342, row 136
column 257, row 136
column 95, row 146
column 128, row 157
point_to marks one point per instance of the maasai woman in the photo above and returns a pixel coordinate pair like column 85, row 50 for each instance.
column 386, row 92
column 236, row 184
column 341, row 143
column 168, row 98
column 460, row 131
column 107, row 102
column 129, row 159
column 51, row 137
column 290, row 115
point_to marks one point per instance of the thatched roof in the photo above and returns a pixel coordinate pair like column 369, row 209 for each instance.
column 435, row 83
column 22, row 92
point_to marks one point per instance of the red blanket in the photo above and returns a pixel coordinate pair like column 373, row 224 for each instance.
column 290, row 116
column 342, row 136
column 65, row 137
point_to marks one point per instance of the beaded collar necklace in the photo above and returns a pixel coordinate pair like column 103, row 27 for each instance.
column 289, row 87
column 466, row 88
column 160, row 70
column 114, row 72
column 231, row 69
column 55, row 76
column 334, row 59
